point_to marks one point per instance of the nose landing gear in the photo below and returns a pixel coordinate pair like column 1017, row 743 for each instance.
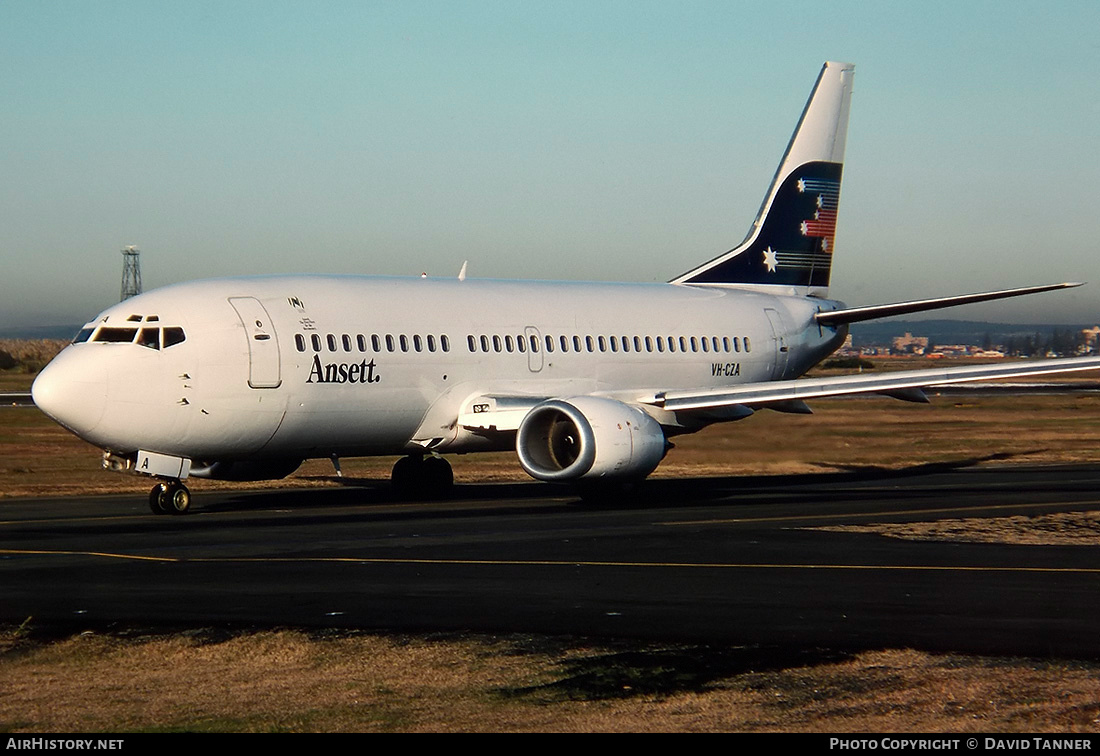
column 170, row 497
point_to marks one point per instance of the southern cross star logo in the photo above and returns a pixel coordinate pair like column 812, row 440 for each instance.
column 769, row 260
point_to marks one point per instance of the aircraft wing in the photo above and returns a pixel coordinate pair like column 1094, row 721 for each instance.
column 906, row 384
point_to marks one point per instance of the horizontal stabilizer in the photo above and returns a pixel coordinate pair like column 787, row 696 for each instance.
column 900, row 384
column 872, row 312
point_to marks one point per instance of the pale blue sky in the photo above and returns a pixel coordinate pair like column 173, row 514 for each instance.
column 562, row 140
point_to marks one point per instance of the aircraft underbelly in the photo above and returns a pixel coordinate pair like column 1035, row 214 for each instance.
column 348, row 424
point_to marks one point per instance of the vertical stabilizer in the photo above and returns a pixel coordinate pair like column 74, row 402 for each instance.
column 791, row 241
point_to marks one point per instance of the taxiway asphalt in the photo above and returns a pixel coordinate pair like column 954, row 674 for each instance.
column 726, row 560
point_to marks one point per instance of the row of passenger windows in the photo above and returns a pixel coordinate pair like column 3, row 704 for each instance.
column 496, row 343
column 377, row 343
column 521, row 343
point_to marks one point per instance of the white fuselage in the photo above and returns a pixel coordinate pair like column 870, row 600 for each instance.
column 313, row 366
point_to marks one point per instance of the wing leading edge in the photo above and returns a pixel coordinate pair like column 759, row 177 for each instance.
column 903, row 384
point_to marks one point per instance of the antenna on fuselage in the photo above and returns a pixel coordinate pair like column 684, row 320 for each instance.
column 462, row 273
column 131, row 272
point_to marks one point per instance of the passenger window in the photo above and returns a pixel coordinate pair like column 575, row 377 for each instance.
column 314, row 339
column 496, row 343
column 672, row 343
column 404, row 343
column 375, row 342
column 485, row 343
column 331, row 342
column 660, row 343
column 418, row 343
column 471, row 343
column 347, row 343
column 520, row 344
column 445, row 343
column 576, row 343
column 508, row 343
column 300, row 342
column 389, row 342
column 746, row 341
column 431, row 343
column 361, row 342
column 173, row 335
column 549, row 344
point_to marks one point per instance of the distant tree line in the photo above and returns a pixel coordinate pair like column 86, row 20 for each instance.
column 1063, row 342
column 28, row 355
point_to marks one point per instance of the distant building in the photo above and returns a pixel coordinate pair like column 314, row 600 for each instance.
column 955, row 350
column 910, row 344
column 847, row 349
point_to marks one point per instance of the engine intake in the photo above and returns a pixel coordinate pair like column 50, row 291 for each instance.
column 589, row 438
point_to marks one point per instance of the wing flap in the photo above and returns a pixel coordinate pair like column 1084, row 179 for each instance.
column 898, row 384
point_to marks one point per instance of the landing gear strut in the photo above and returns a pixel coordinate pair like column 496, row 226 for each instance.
column 170, row 497
column 422, row 477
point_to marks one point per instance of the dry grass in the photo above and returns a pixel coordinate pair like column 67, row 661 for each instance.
column 38, row 458
column 1060, row 529
column 289, row 682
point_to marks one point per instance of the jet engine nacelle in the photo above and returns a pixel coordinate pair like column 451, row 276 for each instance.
column 589, row 438
column 263, row 469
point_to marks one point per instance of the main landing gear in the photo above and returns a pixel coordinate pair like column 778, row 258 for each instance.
column 427, row 477
column 170, row 497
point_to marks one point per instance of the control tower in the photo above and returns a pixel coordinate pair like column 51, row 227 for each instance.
column 131, row 272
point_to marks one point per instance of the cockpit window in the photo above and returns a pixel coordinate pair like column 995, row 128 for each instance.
column 173, row 335
column 149, row 337
column 116, row 335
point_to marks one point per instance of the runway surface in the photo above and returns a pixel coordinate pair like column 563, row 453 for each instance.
column 730, row 560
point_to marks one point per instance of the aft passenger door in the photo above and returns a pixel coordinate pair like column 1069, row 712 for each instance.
column 779, row 333
column 263, row 343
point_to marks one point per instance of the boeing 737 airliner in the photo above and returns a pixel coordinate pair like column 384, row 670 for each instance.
column 244, row 378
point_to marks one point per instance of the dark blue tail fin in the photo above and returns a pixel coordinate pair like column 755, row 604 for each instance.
column 791, row 240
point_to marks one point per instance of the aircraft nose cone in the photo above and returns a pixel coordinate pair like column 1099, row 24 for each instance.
column 72, row 391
